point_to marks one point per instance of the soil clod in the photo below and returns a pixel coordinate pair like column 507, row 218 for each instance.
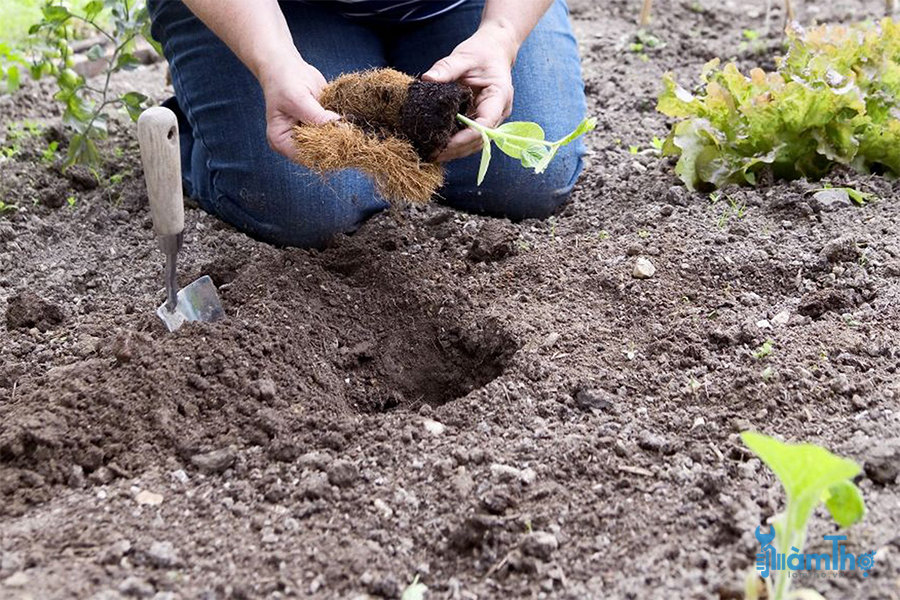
column 27, row 310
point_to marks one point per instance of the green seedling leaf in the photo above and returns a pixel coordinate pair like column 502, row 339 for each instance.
column 55, row 13
column 523, row 140
column 845, row 503
column 12, row 79
column 92, row 9
column 414, row 591
column 584, row 127
column 133, row 103
column 806, row 472
column 96, row 52
column 485, row 158
column 533, row 155
column 515, row 137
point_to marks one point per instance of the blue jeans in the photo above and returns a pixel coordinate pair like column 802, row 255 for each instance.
column 230, row 170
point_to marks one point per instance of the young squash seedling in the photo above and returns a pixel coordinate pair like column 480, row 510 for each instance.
column 523, row 140
column 809, row 475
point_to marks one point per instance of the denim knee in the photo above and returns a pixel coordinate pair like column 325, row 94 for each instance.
column 277, row 202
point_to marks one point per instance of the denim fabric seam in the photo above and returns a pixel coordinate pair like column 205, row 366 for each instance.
column 185, row 105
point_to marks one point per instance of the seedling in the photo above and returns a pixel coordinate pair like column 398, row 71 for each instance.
column 523, row 140
column 809, row 475
column 7, row 208
column 49, row 153
column 765, row 350
column 415, row 590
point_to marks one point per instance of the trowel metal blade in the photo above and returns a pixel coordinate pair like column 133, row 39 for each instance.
column 198, row 301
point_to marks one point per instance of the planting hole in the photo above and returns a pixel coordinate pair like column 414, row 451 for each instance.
column 424, row 361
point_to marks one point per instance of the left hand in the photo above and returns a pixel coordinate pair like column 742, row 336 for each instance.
column 484, row 63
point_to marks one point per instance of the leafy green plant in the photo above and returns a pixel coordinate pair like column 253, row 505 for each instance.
column 809, row 475
column 833, row 100
column 523, row 140
column 86, row 106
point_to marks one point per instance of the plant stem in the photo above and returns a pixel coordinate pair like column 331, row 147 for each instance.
column 492, row 132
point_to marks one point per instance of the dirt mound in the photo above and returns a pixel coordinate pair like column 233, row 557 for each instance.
column 501, row 409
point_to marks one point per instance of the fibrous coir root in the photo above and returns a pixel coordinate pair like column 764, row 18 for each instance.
column 392, row 127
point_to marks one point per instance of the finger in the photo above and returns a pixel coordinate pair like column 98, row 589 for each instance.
column 461, row 145
column 448, row 69
column 282, row 142
column 491, row 107
column 309, row 111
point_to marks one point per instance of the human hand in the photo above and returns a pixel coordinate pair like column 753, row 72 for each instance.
column 291, row 90
column 484, row 63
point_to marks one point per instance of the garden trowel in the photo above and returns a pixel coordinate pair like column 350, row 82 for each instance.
column 160, row 154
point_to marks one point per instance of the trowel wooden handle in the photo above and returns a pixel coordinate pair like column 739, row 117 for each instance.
column 161, row 156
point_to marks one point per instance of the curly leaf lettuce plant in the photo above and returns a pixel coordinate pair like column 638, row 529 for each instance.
column 810, row 475
column 523, row 140
column 833, row 100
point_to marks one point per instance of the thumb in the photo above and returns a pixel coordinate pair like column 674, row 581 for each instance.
column 447, row 69
column 309, row 111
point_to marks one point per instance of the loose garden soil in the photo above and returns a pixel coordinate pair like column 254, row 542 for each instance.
column 502, row 409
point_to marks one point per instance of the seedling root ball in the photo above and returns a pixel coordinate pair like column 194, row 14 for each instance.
column 392, row 127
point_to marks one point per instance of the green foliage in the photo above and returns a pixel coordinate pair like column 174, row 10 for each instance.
column 523, row 140
column 7, row 208
column 765, row 350
column 834, row 100
column 415, row 590
column 809, row 475
column 85, row 105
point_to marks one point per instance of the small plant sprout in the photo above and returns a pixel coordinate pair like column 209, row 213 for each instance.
column 809, row 475
column 7, row 208
column 523, row 140
column 415, row 590
column 49, row 153
column 765, row 350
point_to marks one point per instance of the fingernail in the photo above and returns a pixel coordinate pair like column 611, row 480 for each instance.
column 434, row 74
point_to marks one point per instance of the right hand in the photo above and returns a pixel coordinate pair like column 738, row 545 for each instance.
column 291, row 90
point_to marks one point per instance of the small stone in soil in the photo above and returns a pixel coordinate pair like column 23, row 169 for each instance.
column 643, row 269
column 213, row 462
column 16, row 580
column 782, row 318
column 114, row 553
column 540, row 544
column 433, row 427
column 883, row 463
column 832, row 199
column 163, row 555
column 342, row 473
column 508, row 474
column 266, row 389
column 137, row 588
column 148, row 498
column 592, row 399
